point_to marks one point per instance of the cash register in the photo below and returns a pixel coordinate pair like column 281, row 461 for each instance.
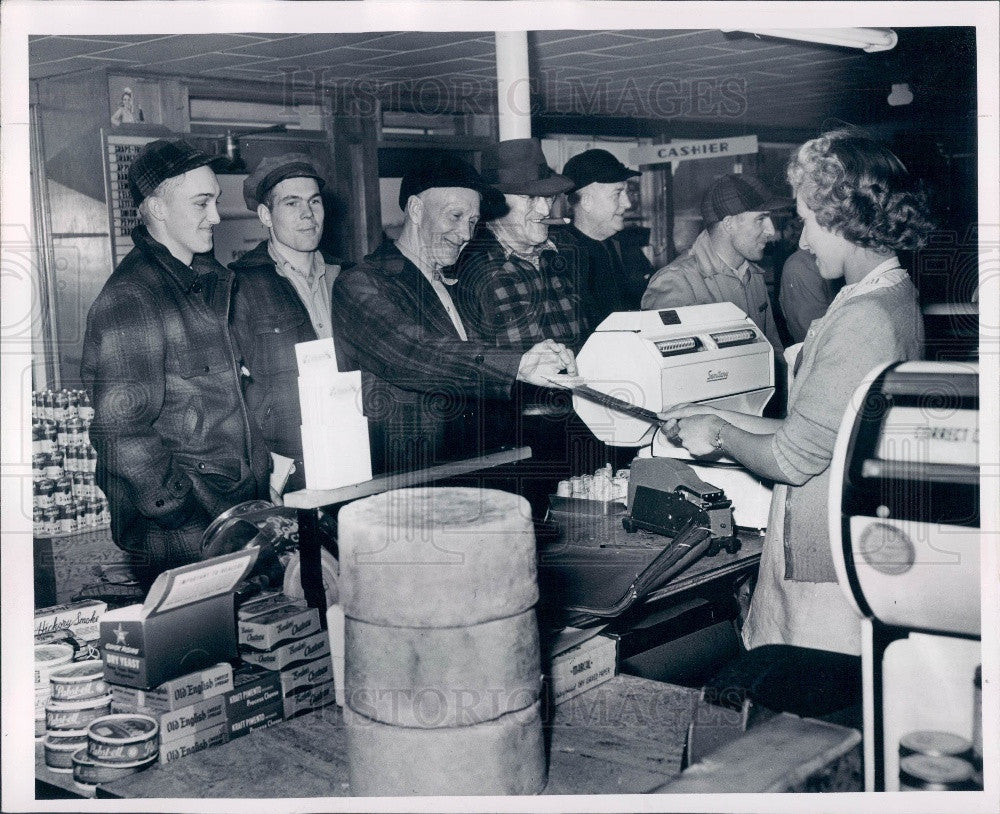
column 650, row 360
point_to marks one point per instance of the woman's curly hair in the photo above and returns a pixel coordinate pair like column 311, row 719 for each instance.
column 860, row 190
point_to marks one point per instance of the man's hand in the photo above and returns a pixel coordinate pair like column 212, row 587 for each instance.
column 544, row 360
column 693, row 426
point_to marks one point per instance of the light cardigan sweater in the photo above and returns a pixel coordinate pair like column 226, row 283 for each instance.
column 871, row 323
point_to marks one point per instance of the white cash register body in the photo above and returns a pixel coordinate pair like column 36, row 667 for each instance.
column 711, row 354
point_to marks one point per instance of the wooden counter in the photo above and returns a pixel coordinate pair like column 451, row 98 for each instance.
column 623, row 737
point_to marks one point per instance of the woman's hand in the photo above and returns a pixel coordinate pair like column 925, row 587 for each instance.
column 695, row 431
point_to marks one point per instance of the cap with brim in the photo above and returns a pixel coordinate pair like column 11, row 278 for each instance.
column 162, row 159
column 596, row 167
column 521, row 169
column 736, row 194
column 441, row 170
column 272, row 171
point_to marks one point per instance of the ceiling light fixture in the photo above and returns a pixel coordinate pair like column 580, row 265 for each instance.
column 867, row 39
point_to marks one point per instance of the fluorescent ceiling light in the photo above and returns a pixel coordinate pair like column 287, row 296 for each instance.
column 867, row 39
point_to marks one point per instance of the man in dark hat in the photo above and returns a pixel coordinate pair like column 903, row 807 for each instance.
column 282, row 297
column 721, row 265
column 613, row 271
column 175, row 444
column 514, row 288
column 424, row 371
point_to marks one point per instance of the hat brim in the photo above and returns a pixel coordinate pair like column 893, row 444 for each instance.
column 542, row 188
column 776, row 205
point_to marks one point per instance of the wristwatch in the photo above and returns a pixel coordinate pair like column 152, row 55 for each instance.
column 717, row 443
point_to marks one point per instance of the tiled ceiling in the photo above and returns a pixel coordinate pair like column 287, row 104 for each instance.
column 690, row 75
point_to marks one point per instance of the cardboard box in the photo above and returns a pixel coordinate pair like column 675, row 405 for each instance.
column 187, row 622
column 304, row 676
column 259, row 719
column 254, row 688
column 308, row 649
column 82, row 619
column 192, row 719
column 178, row 692
column 277, row 626
column 193, row 742
column 267, row 602
column 308, row 699
column 582, row 666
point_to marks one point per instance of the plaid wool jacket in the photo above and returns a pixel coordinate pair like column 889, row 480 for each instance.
column 175, row 443
column 420, row 379
column 509, row 303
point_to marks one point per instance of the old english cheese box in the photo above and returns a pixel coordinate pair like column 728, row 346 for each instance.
column 187, row 622
column 176, row 693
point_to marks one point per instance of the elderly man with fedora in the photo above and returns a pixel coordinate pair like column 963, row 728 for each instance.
column 721, row 265
column 282, row 297
column 175, row 443
column 613, row 271
column 514, row 288
column 425, row 372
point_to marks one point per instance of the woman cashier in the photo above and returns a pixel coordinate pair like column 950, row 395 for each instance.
column 858, row 209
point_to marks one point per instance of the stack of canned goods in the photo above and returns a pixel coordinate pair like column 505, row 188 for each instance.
column 66, row 496
column 931, row 760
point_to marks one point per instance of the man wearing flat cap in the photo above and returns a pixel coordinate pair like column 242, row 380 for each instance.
column 424, row 371
column 721, row 265
column 175, row 444
column 282, row 297
column 613, row 271
column 514, row 288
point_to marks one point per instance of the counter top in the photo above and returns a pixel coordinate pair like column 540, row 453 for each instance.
column 625, row 736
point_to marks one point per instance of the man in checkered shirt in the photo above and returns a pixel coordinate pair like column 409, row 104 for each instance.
column 514, row 287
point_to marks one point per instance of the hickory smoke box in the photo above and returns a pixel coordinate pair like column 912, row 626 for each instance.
column 303, row 676
column 83, row 619
column 178, row 692
column 276, row 626
column 191, row 742
column 312, row 647
column 254, row 688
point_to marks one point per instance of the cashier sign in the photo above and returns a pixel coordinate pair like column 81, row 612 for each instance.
column 677, row 151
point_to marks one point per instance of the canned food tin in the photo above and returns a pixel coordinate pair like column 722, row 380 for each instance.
column 85, row 409
column 89, row 486
column 74, row 431
column 49, row 437
column 54, row 468
column 89, row 771
column 89, row 516
column 61, row 406
column 67, row 519
column 76, row 714
column 59, row 752
column 935, row 773
column 91, row 463
column 123, row 738
column 50, row 520
column 62, row 495
column 38, row 521
column 75, row 682
column 45, row 493
column 39, row 461
column 37, row 439
column 47, row 658
column 934, row 742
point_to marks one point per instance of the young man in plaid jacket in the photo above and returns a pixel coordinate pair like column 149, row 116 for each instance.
column 175, row 444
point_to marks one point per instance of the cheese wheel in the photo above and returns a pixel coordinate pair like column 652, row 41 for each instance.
column 500, row 757
column 442, row 677
column 437, row 557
